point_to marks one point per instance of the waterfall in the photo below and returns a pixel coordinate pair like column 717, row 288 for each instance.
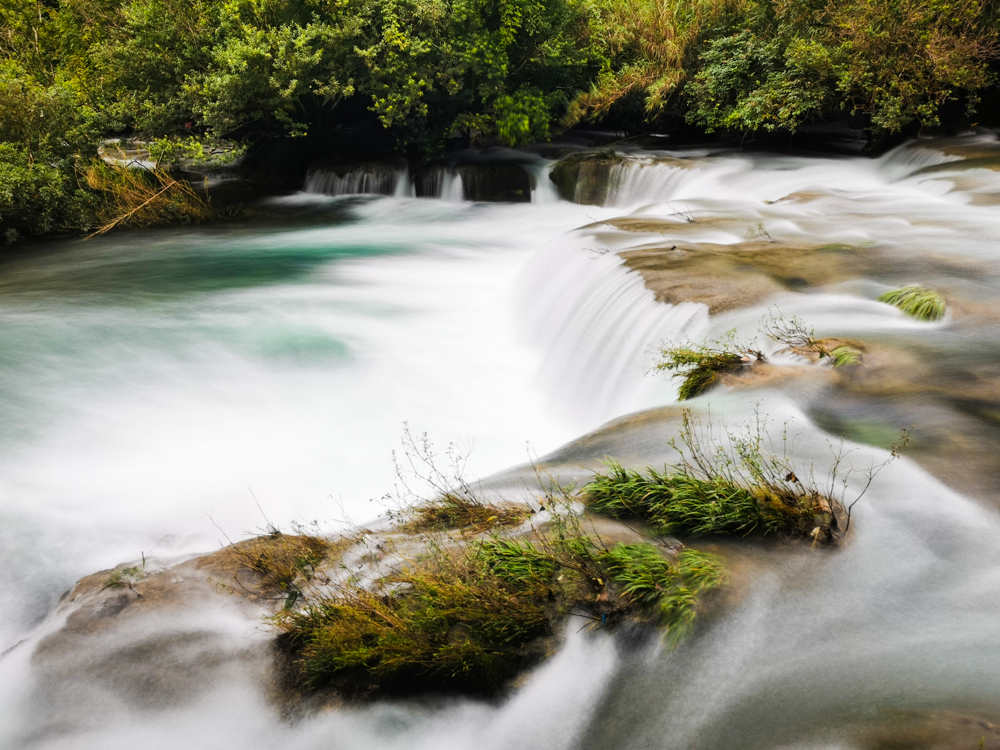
column 643, row 180
column 543, row 191
column 363, row 179
column 600, row 329
column 441, row 181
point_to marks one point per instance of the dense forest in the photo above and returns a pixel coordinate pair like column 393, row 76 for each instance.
column 430, row 74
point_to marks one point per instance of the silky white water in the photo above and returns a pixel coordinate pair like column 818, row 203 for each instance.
column 151, row 382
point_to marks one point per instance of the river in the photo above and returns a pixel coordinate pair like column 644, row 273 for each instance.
column 164, row 391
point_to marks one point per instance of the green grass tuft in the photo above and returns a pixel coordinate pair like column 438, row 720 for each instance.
column 845, row 355
column 670, row 590
column 124, row 577
column 677, row 502
column 916, row 301
column 700, row 367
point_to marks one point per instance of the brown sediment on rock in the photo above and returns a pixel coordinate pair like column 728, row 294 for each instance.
column 768, row 375
column 728, row 277
column 931, row 730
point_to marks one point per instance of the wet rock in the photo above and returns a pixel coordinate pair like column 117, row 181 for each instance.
column 586, row 178
column 591, row 178
column 497, row 182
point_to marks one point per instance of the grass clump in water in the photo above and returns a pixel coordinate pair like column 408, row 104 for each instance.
column 699, row 367
column 739, row 486
column 845, row 355
column 800, row 340
column 916, row 301
column 677, row 502
column 471, row 618
column 125, row 577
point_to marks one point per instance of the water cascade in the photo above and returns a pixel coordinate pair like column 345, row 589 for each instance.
column 365, row 179
column 149, row 380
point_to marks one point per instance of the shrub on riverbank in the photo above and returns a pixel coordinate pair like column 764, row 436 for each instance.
column 425, row 73
column 917, row 302
column 472, row 618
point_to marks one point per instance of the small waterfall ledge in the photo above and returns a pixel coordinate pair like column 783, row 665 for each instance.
column 493, row 181
column 600, row 328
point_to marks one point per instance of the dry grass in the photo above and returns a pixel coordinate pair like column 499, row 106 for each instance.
column 459, row 510
column 280, row 563
column 135, row 196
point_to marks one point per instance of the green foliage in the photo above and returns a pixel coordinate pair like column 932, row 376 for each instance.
column 759, row 64
column 845, row 355
column 700, row 366
column 453, row 623
column 517, row 562
column 470, row 618
column 73, row 72
column 671, row 590
column 39, row 197
column 920, row 303
column 739, row 486
column 676, row 502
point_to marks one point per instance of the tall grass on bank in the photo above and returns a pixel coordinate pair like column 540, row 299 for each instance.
column 140, row 197
column 917, row 302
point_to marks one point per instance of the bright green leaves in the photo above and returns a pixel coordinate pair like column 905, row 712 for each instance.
column 523, row 117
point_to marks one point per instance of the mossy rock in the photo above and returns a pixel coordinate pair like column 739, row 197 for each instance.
column 472, row 620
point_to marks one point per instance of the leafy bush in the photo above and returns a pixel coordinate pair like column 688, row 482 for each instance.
column 39, row 197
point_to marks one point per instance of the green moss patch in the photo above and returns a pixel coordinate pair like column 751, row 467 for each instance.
column 471, row 619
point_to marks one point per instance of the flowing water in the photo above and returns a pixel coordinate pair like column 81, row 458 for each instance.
column 162, row 390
